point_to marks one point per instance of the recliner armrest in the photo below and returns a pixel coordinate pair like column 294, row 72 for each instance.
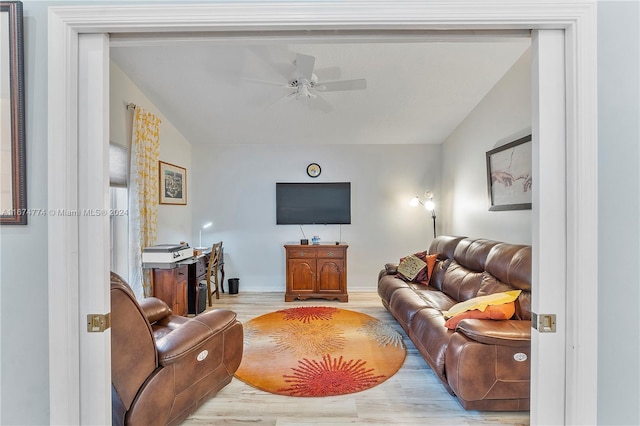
column 492, row 332
column 154, row 309
column 183, row 341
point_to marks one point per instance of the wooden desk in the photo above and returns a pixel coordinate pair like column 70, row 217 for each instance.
column 177, row 285
column 170, row 286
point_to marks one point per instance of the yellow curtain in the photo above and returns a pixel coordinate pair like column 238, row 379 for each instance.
column 143, row 196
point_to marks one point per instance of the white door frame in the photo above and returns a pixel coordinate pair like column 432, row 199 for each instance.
column 78, row 284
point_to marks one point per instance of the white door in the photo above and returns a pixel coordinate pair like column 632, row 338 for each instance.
column 549, row 232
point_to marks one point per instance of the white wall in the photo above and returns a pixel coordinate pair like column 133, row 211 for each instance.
column 174, row 222
column 619, row 213
column 24, row 324
column 503, row 116
column 236, row 190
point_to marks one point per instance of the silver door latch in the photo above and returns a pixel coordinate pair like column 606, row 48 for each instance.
column 544, row 323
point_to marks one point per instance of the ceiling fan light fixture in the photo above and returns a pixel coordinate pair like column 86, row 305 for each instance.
column 304, row 83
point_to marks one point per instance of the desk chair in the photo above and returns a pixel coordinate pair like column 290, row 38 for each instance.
column 212, row 272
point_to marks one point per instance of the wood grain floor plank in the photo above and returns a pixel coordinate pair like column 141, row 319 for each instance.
column 414, row 395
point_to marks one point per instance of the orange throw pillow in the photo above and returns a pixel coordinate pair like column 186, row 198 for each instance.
column 494, row 312
column 431, row 263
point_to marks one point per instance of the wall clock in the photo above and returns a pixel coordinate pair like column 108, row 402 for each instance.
column 313, row 170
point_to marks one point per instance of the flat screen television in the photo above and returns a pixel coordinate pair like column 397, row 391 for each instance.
column 313, row 203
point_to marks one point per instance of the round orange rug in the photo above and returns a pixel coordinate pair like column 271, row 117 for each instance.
column 319, row 351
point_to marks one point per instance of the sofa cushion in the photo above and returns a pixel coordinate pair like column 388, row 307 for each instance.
column 491, row 285
column 445, row 246
column 404, row 304
column 431, row 338
column 461, row 283
column 435, row 299
column 387, row 285
column 492, row 312
column 511, row 264
column 472, row 253
column 437, row 275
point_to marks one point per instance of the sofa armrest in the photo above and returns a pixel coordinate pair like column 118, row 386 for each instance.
column 154, row 309
column 186, row 339
column 391, row 268
column 491, row 332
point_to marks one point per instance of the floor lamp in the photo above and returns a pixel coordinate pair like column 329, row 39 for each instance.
column 428, row 205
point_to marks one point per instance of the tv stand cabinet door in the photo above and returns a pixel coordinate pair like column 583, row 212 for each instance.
column 301, row 277
column 331, row 277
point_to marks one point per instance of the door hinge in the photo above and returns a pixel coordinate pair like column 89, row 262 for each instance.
column 544, row 323
column 97, row 323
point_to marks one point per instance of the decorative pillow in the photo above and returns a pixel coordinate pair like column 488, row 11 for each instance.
column 411, row 270
column 494, row 312
column 481, row 302
column 410, row 266
column 431, row 263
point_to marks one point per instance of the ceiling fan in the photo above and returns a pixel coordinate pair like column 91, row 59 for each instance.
column 304, row 83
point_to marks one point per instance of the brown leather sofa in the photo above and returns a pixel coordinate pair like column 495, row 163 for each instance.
column 485, row 363
column 165, row 366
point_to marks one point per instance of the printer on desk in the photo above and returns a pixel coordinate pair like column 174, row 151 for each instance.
column 165, row 256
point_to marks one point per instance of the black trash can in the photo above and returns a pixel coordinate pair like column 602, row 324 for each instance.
column 233, row 285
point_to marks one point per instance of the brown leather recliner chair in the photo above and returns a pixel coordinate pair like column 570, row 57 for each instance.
column 165, row 366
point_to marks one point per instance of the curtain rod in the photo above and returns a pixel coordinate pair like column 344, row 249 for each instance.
column 131, row 106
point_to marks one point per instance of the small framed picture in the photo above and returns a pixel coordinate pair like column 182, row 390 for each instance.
column 173, row 184
column 509, row 176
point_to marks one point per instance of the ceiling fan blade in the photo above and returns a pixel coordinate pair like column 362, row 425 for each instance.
column 290, row 97
column 304, row 64
column 328, row 73
column 269, row 83
column 318, row 102
column 334, row 86
column 275, row 58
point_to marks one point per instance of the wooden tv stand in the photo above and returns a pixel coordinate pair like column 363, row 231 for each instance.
column 317, row 271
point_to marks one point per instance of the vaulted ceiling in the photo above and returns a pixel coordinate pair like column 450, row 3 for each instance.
column 230, row 90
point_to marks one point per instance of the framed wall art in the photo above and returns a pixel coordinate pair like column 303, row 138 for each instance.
column 509, row 176
column 173, row 184
column 13, row 197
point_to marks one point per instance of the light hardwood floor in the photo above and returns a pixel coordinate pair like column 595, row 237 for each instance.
column 414, row 395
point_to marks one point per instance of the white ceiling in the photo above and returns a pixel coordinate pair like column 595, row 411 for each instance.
column 418, row 88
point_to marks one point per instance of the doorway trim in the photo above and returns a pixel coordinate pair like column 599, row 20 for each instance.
column 71, row 154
